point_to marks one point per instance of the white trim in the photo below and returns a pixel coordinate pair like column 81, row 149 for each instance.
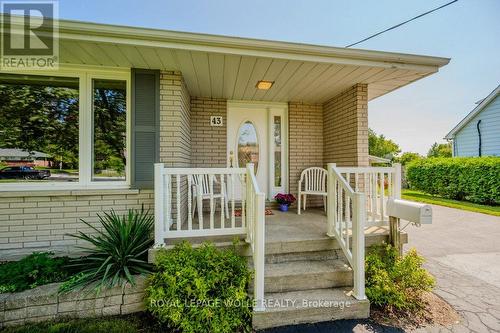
column 85, row 75
column 105, row 33
column 473, row 113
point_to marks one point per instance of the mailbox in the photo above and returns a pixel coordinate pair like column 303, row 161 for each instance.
column 414, row 212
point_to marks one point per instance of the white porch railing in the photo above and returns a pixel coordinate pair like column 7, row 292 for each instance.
column 346, row 219
column 177, row 190
column 378, row 184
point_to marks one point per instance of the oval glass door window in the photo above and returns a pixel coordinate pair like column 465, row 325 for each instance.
column 248, row 145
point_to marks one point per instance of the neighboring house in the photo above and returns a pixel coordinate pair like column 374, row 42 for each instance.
column 201, row 107
column 478, row 134
column 17, row 157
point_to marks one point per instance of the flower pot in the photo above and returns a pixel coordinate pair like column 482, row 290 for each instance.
column 283, row 207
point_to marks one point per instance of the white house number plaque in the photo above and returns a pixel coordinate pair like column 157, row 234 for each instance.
column 215, row 120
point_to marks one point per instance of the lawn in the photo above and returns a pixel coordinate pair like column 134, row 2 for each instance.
column 135, row 323
column 464, row 205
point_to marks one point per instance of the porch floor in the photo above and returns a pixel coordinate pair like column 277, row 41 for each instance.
column 280, row 227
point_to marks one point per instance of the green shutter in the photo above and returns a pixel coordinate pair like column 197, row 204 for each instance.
column 145, row 126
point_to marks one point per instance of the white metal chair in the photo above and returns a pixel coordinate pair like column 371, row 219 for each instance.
column 202, row 191
column 314, row 183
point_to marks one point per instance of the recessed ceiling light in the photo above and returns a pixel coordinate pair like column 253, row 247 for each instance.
column 264, row 85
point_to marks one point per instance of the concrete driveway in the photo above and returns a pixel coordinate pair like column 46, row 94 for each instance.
column 463, row 253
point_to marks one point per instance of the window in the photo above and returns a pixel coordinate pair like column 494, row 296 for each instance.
column 277, row 150
column 39, row 128
column 110, row 129
column 248, row 145
column 67, row 130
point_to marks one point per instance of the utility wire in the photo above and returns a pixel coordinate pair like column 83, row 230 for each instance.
column 402, row 23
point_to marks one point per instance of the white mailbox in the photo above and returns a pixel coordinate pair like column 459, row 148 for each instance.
column 410, row 211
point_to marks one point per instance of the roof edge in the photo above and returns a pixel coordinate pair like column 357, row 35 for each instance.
column 139, row 33
column 471, row 114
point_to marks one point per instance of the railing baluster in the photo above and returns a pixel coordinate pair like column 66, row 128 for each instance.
column 168, row 200
column 190, row 199
column 212, row 209
column 233, row 219
column 178, row 189
column 222, row 203
column 382, row 195
column 374, row 196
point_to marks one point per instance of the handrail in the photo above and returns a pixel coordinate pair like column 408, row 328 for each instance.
column 178, row 191
column 378, row 184
column 346, row 222
column 256, row 233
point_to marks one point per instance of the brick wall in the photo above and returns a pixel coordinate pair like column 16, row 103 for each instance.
column 175, row 120
column 346, row 127
column 305, row 135
column 208, row 144
column 31, row 221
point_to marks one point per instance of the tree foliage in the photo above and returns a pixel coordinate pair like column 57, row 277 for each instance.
column 46, row 118
column 408, row 157
column 379, row 145
column 40, row 118
column 440, row 150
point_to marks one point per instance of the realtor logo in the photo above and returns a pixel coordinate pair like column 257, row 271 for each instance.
column 29, row 35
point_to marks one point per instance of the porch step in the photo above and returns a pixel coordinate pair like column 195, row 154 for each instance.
column 306, row 275
column 309, row 306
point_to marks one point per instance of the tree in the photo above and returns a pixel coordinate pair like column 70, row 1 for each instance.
column 40, row 118
column 408, row 157
column 440, row 150
column 379, row 146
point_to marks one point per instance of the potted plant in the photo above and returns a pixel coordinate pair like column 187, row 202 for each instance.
column 284, row 200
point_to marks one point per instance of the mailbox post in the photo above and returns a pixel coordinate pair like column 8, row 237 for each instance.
column 410, row 211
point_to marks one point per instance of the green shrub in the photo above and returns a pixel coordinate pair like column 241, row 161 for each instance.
column 117, row 252
column 396, row 282
column 200, row 289
column 475, row 179
column 32, row 271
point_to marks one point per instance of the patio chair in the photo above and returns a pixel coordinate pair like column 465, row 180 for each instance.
column 201, row 191
column 313, row 182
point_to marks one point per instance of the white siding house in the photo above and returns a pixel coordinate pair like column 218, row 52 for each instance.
column 478, row 134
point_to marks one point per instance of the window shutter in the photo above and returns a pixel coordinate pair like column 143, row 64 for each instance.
column 145, row 126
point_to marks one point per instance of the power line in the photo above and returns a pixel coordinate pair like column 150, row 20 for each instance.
column 402, row 23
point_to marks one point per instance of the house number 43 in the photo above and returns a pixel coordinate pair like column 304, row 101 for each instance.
column 215, row 120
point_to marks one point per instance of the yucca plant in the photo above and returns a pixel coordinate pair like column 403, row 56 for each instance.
column 116, row 253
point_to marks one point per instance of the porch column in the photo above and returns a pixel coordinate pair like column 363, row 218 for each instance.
column 345, row 127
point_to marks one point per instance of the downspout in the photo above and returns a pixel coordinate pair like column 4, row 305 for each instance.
column 479, row 135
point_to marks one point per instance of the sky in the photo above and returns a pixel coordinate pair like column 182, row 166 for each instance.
column 414, row 116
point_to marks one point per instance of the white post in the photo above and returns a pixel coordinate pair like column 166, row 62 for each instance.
column 331, row 200
column 358, row 245
column 159, row 201
column 397, row 181
column 259, row 250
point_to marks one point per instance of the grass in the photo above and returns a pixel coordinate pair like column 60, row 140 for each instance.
column 136, row 323
column 464, row 205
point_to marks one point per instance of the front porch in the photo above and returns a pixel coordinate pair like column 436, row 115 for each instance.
column 311, row 257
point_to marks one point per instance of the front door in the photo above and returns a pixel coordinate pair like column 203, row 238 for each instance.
column 256, row 134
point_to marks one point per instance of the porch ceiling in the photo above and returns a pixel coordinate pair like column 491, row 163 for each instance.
column 229, row 67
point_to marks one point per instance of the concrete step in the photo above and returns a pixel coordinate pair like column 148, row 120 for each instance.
column 309, row 306
column 306, row 275
column 277, row 258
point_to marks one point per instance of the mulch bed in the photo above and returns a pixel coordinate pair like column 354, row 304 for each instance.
column 436, row 312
